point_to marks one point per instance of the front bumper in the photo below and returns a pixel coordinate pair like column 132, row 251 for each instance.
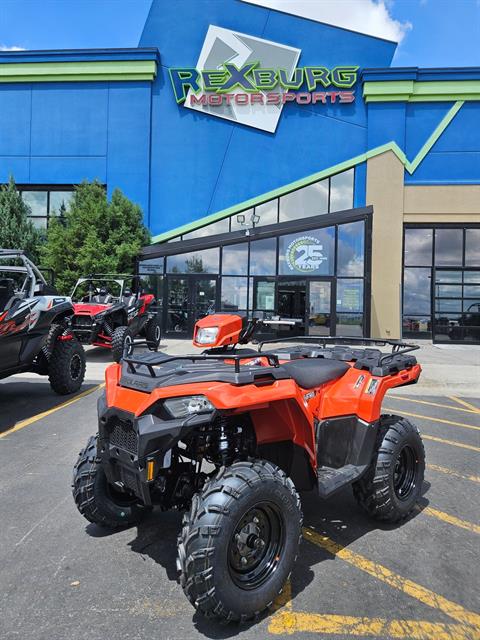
column 127, row 443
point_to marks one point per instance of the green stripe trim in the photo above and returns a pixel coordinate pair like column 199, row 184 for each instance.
column 411, row 91
column 78, row 71
column 320, row 175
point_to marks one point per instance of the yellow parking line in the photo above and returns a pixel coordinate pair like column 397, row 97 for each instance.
column 436, row 404
column 44, row 414
column 453, row 443
column 430, row 419
column 447, row 517
column 410, row 588
column 289, row 622
column 451, row 472
column 470, row 407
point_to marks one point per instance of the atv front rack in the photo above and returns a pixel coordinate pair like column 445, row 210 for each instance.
column 150, row 362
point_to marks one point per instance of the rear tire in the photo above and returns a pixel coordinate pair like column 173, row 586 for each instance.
column 121, row 336
column 392, row 484
column 153, row 333
column 239, row 542
column 96, row 500
column 66, row 367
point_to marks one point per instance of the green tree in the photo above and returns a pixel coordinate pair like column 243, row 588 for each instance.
column 16, row 229
column 94, row 236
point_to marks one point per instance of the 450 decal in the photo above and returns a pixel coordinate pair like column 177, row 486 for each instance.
column 251, row 78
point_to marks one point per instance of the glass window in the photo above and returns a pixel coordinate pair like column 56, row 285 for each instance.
column 471, row 276
column 448, row 276
column 242, row 220
column 235, row 259
column 349, row 324
column 418, row 247
column 310, row 252
column 205, row 261
column 349, row 295
column 39, row 223
column 416, row 326
column 234, row 294
column 263, row 257
column 351, row 249
column 263, row 295
column 221, row 226
column 60, row 201
column 153, row 284
column 448, row 246
column 37, row 201
column 416, row 291
column 473, row 306
column 471, row 291
column 341, row 191
column 448, row 305
column 267, row 213
column 472, row 247
column 305, row 202
column 153, row 265
column 448, row 290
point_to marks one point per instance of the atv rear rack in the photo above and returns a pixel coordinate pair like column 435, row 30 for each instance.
column 398, row 346
column 162, row 359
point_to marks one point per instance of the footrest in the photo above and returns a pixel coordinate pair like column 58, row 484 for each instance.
column 331, row 480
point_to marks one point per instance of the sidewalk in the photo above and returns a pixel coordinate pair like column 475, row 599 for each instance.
column 447, row 369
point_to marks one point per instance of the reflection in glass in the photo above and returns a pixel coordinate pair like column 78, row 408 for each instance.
column 319, row 312
column 472, row 247
column 448, row 305
column 448, row 290
column 448, row 276
column 349, row 324
column 37, row 201
column 234, row 294
column 263, row 257
column 418, row 247
column 204, row 297
column 235, row 259
column 471, row 276
column 349, row 295
column 60, row 201
column 341, row 191
column 152, row 284
column 39, row 223
column 417, row 326
column 263, row 295
column 305, row 202
column 472, row 305
column 448, row 246
column 416, row 290
column 221, row 226
column 307, row 253
column 205, row 261
column 351, row 249
column 471, row 291
column 177, row 305
column 267, row 213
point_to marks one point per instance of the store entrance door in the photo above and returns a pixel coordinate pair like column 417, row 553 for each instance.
column 189, row 297
column 320, row 312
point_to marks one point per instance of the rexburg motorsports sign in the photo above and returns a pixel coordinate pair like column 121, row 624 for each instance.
column 248, row 80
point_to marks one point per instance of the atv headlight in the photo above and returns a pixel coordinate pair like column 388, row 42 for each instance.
column 206, row 335
column 188, row 406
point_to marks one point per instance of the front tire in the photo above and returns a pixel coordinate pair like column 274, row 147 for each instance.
column 66, row 367
column 96, row 500
column 393, row 483
column 120, row 338
column 153, row 333
column 240, row 540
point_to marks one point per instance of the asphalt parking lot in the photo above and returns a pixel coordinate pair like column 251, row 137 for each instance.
column 62, row 578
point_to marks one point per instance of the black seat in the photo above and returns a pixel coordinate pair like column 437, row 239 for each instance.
column 310, row 373
column 128, row 298
column 103, row 296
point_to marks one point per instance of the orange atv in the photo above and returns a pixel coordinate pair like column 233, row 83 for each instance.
column 233, row 435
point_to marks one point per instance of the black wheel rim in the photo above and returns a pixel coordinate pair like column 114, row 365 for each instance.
column 75, row 366
column 256, row 546
column 117, row 496
column 405, row 472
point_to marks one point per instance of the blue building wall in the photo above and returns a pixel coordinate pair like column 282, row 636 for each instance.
column 63, row 133
column 201, row 164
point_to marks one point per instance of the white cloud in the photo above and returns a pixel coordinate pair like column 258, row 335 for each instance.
column 4, row 47
column 371, row 17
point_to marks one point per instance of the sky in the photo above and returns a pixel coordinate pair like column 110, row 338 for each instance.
column 431, row 33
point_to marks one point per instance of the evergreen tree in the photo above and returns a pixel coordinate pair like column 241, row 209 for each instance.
column 94, row 236
column 16, row 229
